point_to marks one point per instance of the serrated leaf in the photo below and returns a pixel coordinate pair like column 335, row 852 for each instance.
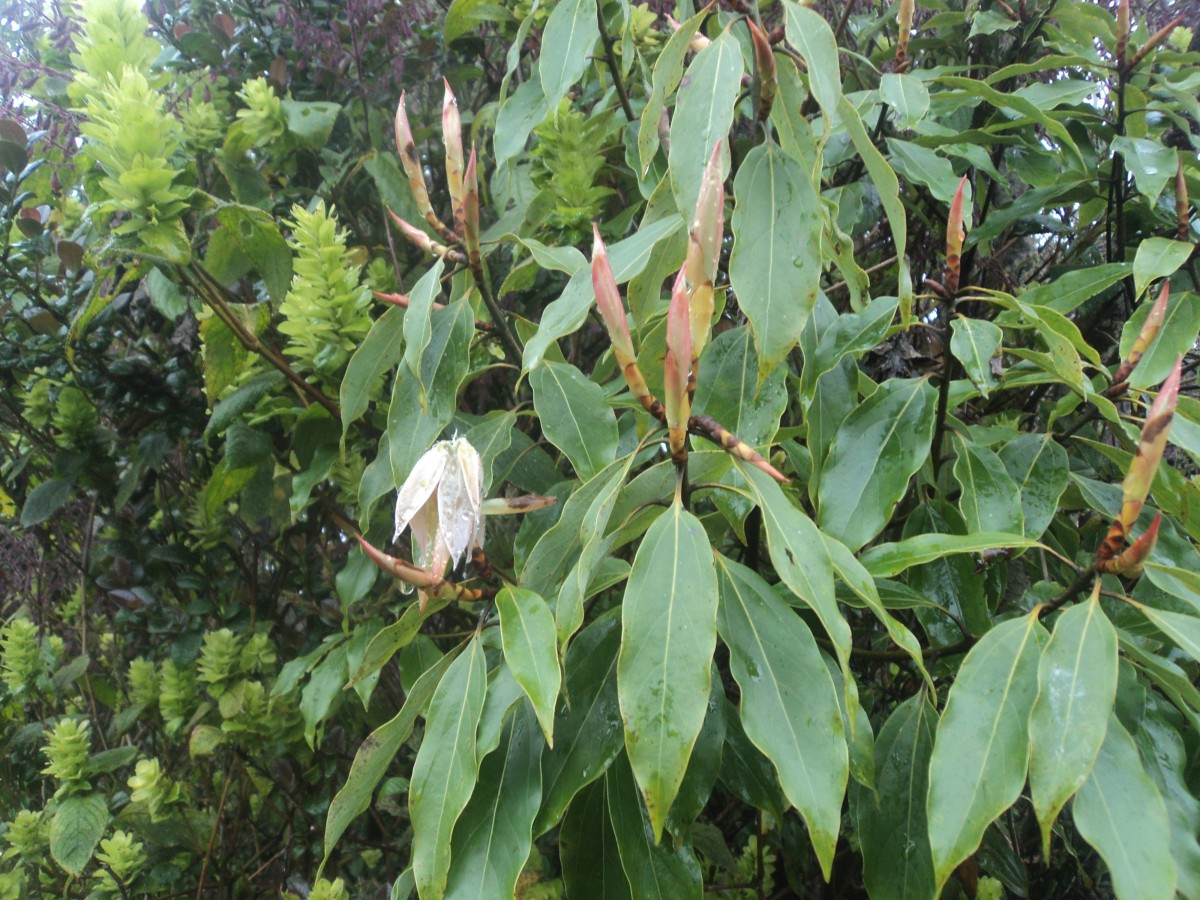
column 574, row 416
column 789, row 705
column 668, row 634
column 974, row 342
column 1119, row 811
column 445, row 770
column 897, row 862
column 990, row 500
column 879, row 446
column 76, row 829
column 981, row 752
column 1077, row 684
column 531, row 651
column 775, row 264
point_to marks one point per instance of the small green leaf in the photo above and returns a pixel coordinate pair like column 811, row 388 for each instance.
column 775, row 265
column 323, row 687
column 1151, row 163
column 1038, row 465
column 574, row 416
column 1077, row 684
column 1157, row 258
column 418, row 328
column 981, row 752
column 789, row 704
column 1120, row 812
column 444, row 773
column 990, row 501
column 76, row 829
column 811, row 35
column 974, row 342
column 531, row 651
column 878, row 448
column 1176, row 336
column 45, row 500
column 907, row 95
column 311, row 121
column 668, row 634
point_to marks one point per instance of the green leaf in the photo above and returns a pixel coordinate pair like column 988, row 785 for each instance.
column 1039, row 466
column 1157, row 258
column 974, row 342
column 850, row 333
column 570, row 34
column 493, row 836
column 255, row 235
column 444, row 773
column 775, row 265
column 789, row 704
column 418, row 327
column 891, row 825
column 800, row 556
column 568, row 313
column 461, row 17
column 812, row 37
column 878, row 448
column 729, row 390
column 921, row 165
column 1165, row 758
column 323, row 687
column 981, row 752
column 990, row 501
column 668, row 634
column 387, row 641
column 886, row 560
column 668, row 70
column 1183, row 630
column 311, row 121
column 376, row 754
column 380, row 351
column 45, row 500
column 574, row 416
column 76, row 829
column 531, row 651
column 655, row 871
column 1150, row 162
column 907, row 95
column 1176, row 336
column 1067, row 292
column 1077, row 685
column 411, row 429
column 589, row 732
column 587, row 847
column 524, row 108
column 703, row 115
column 1120, row 812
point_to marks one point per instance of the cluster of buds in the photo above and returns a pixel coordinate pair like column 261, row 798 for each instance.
column 463, row 183
column 689, row 323
column 1112, row 556
column 442, row 503
column 1126, row 63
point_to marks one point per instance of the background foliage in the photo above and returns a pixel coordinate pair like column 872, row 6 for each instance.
column 925, row 664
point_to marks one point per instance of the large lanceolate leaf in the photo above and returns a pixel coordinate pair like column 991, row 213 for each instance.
column 800, row 556
column 811, row 35
column 897, row 864
column 587, row 847
column 775, row 265
column 1077, row 683
column 668, row 70
column 668, row 634
column 417, row 320
column 789, row 704
column 379, row 352
column 1038, row 465
column 1176, row 336
column 493, row 834
column 981, row 752
column 444, row 772
column 530, row 649
column 574, row 416
column 729, row 390
column 422, row 407
column 588, row 733
column 655, row 871
column 1165, row 758
column 571, row 33
column 1120, row 812
column 878, row 447
column 703, row 114
column 990, row 501
column 376, row 754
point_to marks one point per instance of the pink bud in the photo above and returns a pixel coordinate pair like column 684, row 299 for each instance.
column 452, row 135
column 677, row 365
column 608, row 299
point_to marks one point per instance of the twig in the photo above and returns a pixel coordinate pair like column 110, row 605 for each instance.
column 614, row 68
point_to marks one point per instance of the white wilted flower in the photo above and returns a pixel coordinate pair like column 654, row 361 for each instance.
column 442, row 501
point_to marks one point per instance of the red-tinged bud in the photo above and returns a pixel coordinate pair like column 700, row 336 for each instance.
column 1154, row 40
column 764, row 69
column 1130, row 562
column 452, row 135
column 471, row 214
column 1136, row 486
column 1122, row 33
column 608, row 300
column 418, row 237
column 677, row 368
column 955, row 235
column 699, row 40
column 1182, row 218
column 398, row 568
column 415, row 172
column 704, row 252
column 1158, row 314
column 904, row 19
